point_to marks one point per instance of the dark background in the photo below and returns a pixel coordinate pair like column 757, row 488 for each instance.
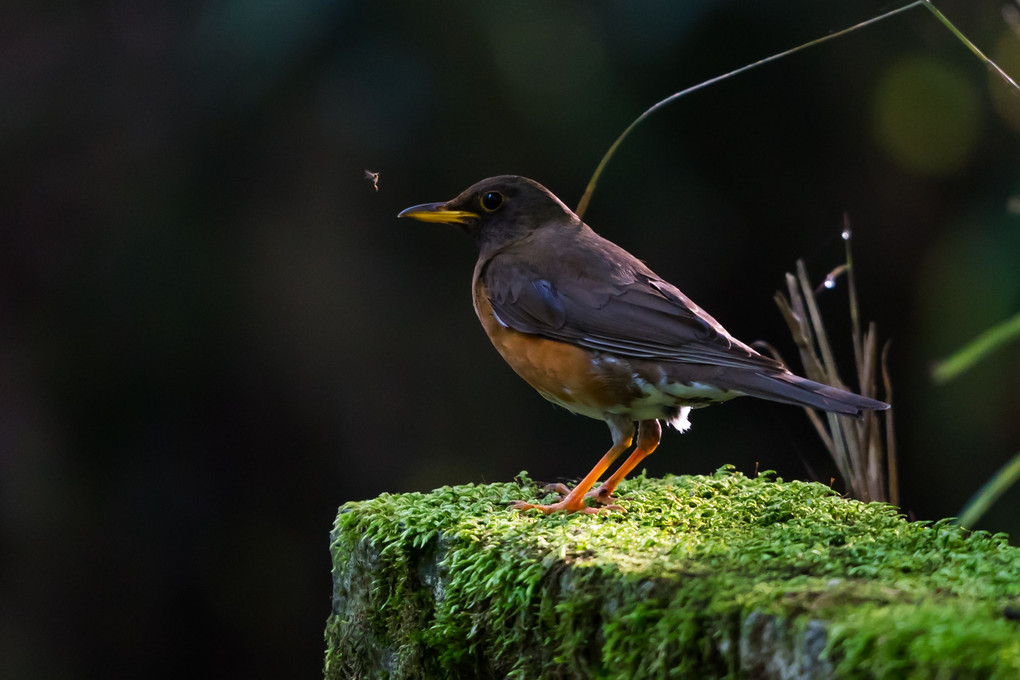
column 213, row 331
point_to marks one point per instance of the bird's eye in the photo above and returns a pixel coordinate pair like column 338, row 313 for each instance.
column 491, row 200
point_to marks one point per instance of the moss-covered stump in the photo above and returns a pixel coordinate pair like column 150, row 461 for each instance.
column 701, row 577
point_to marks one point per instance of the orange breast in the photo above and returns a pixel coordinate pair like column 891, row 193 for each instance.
column 563, row 373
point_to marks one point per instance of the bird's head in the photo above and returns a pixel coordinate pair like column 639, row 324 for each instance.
column 498, row 211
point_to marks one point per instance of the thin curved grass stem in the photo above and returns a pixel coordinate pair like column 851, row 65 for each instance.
column 582, row 205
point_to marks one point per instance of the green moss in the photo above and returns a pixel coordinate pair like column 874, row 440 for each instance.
column 720, row 576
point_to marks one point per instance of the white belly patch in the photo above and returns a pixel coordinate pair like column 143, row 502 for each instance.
column 661, row 400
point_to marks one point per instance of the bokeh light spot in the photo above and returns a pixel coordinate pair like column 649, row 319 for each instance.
column 927, row 116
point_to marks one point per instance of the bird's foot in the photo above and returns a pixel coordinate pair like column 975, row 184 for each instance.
column 564, row 506
column 571, row 501
column 600, row 495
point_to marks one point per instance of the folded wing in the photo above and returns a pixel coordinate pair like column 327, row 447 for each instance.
column 629, row 312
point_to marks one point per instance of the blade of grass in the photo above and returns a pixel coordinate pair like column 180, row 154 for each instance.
column 828, row 360
column 855, row 317
column 976, row 350
column 971, row 46
column 892, row 465
column 989, row 492
column 867, row 454
column 866, row 425
column 801, row 335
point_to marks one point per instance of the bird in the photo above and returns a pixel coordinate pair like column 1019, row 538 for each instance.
column 595, row 331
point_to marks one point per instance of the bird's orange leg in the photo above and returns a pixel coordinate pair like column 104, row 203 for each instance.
column 623, row 436
column 649, row 434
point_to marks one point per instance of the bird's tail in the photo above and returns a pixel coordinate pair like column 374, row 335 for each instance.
column 787, row 388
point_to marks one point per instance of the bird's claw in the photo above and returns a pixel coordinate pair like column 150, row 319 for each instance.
column 602, row 497
column 599, row 495
column 562, row 506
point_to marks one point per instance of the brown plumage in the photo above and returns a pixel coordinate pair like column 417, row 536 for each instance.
column 594, row 330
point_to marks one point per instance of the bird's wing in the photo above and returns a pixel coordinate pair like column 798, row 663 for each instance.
column 616, row 305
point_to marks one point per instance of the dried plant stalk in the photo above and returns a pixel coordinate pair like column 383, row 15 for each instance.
column 865, row 459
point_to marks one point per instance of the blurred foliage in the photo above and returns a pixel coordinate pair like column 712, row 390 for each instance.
column 990, row 492
column 977, row 349
column 927, row 116
column 213, row 331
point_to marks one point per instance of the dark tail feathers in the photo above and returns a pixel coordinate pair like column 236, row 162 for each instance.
column 788, row 388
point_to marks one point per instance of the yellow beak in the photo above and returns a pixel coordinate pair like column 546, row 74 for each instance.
column 437, row 212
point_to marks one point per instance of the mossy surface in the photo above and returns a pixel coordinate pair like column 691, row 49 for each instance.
column 718, row 576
